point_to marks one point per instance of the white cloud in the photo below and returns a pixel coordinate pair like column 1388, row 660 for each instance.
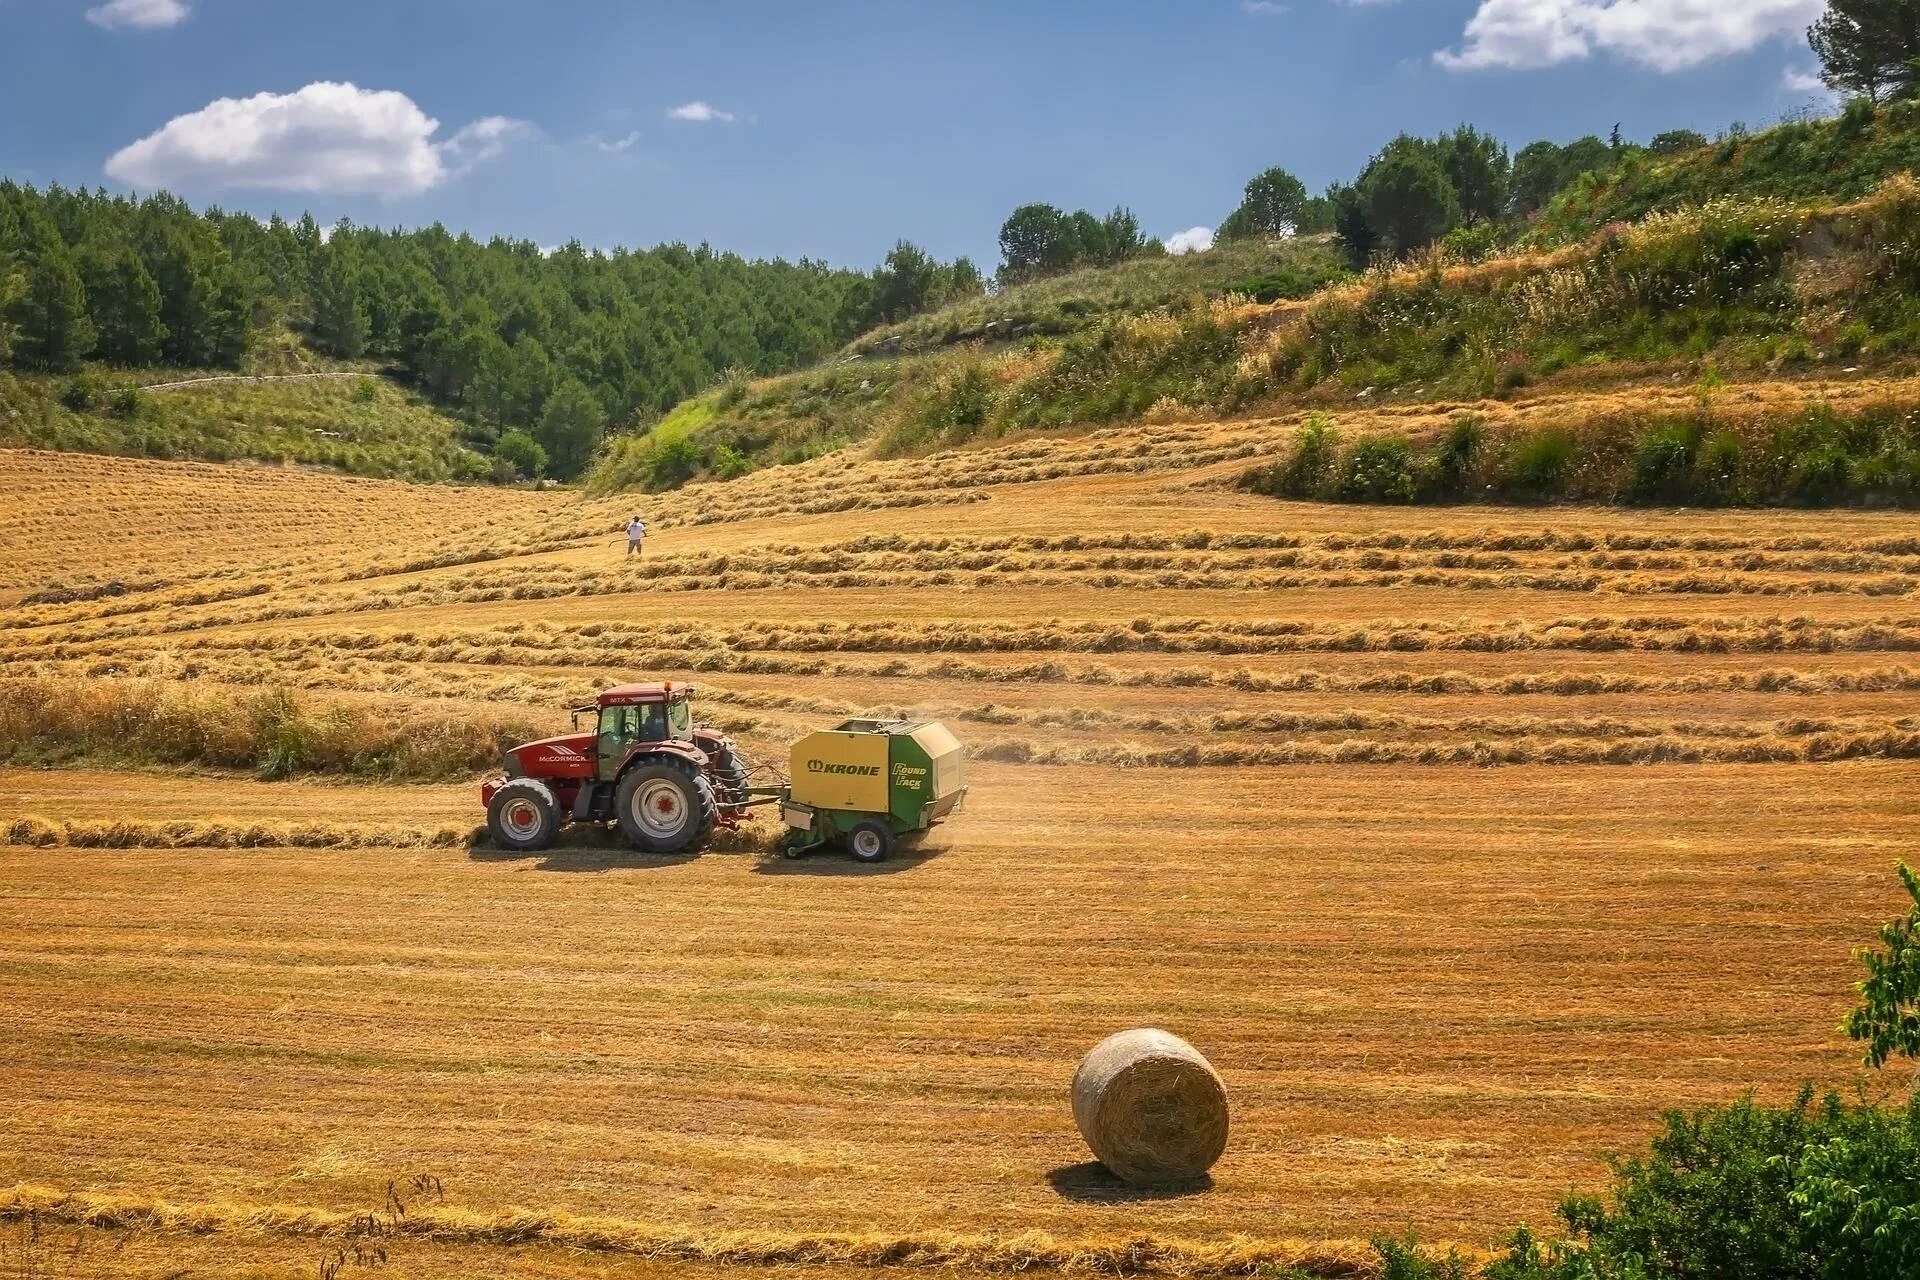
column 479, row 142
column 1263, row 7
column 700, row 113
column 1667, row 35
column 1799, row 80
column 140, row 15
column 1192, row 240
column 327, row 137
column 616, row 145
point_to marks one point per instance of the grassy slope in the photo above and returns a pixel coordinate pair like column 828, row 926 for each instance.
column 365, row 426
column 1837, row 159
column 1070, row 303
column 1754, row 262
column 942, row 378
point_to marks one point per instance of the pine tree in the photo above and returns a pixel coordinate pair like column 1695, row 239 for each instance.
column 340, row 323
column 13, row 285
column 1408, row 198
column 51, row 313
column 1270, row 207
column 1869, row 47
column 1480, row 170
column 124, row 304
column 570, row 428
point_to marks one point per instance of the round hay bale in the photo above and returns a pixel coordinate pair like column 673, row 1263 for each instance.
column 1150, row 1107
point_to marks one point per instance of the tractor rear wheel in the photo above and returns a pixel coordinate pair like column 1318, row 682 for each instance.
column 665, row 806
column 870, row 841
column 522, row 815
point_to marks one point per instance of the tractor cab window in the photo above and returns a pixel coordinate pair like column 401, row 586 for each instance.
column 622, row 727
column 680, row 720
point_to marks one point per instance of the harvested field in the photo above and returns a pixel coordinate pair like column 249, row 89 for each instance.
column 1461, row 840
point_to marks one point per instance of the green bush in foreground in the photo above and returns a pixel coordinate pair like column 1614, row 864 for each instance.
column 1810, row 1191
column 1817, row 458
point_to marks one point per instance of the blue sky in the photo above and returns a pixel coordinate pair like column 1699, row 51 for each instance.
column 832, row 129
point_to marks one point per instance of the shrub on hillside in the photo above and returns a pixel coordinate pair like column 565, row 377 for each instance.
column 1539, row 464
column 1377, row 468
column 1817, row 458
column 1304, row 473
column 522, row 453
column 1122, row 368
column 81, row 392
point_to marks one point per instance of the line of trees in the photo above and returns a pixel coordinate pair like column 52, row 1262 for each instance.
column 1418, row 190
column 1040, row 240
column 552, row 345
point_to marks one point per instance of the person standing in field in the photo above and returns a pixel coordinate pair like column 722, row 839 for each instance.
column 636, row 535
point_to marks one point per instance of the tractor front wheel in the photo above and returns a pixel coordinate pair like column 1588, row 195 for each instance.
column 665, row 806
column 522, row 815
column 870, row 841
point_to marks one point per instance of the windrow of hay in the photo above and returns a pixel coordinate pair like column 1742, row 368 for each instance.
column 1766, row 582
column 1891, row 744
column 444, row 678
column 270, row 731
column 35, row 832
column 1134, row 1255
column 698, row 648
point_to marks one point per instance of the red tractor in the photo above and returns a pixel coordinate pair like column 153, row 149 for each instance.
column 644, row 765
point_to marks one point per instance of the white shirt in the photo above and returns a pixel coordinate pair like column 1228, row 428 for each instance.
column 635, row 530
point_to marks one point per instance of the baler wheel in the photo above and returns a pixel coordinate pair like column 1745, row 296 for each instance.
column 870, row 841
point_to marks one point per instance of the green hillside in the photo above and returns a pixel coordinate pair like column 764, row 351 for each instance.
column 1055, row 306
column 359, row 423
column 1095, row 345
column 1760, row 253
column 1821, row 161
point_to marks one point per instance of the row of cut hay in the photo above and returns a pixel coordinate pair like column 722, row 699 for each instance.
column 1490, row 539
column 1755, row 573
column 1724, row 585
column 31, row 831
column 1359, row 721
column 1131, row 1255
column 52, row 615
column 441, row 674
column 358, row 675
column 1889, row 744
column 963, row 559
column 1220, row 578
column 271, row 731
column 35, row 832
column 701, row 648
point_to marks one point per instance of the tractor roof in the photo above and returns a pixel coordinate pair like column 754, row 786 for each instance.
column 622, row 695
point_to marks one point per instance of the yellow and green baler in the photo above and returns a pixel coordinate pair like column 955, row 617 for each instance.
column 868, row 783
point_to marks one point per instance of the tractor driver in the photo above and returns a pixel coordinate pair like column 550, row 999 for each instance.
column 622, row 727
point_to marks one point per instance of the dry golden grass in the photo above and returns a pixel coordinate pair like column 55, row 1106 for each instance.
column 1460, row 840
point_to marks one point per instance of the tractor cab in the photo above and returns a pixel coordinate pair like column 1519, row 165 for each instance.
column 629, row 715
